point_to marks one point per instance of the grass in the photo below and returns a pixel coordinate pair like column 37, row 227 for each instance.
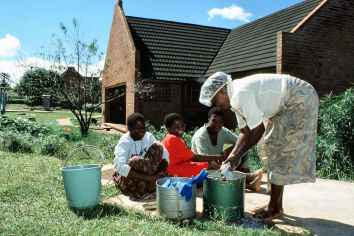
column 43, row 117
column 105, row 142
column 33, row 202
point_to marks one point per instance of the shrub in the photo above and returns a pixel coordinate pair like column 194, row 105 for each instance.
column 17, row 142
column 93, row 107
column 160, row 134
column 187, row 137
column 335, row 140
column 22, row 125
column 107, row 145
column 17, row 100
column 75, row 136
column 53, row 145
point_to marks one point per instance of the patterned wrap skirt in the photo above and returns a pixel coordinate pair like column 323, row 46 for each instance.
column 288, row 146
column 137, row 189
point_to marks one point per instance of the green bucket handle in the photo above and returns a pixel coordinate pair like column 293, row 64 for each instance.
column 85, row 147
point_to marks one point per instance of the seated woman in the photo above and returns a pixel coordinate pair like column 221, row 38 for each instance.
column 184, row 162
column 139, row 160
column 210, row 140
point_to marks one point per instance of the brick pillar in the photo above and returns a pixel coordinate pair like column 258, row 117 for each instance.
column 279, row 52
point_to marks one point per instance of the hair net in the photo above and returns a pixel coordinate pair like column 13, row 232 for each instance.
column 211, row 86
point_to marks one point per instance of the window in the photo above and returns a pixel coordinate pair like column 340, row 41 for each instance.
column 191, row 92
column 161, row 93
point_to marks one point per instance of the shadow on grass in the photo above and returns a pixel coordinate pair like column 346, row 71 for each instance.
column 202, row 221
column 100, row 211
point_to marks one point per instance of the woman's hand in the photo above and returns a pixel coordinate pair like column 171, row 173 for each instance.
column 233, row 159
column 154, row 177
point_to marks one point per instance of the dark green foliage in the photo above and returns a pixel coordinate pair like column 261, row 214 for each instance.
column 335, row 140
column 22, row 125
column 93, row 107
column 4, row 80
column 53, row 145
column 254, row 161
column 38, row 82
column 187, row 137
column 107, row 145
column 13, row 141
column 17, row 100
column 160, row 134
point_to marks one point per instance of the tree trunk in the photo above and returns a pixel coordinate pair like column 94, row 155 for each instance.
column 84, row 130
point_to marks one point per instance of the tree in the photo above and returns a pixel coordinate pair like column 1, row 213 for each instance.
column 4, row 80
column 37, row 82
column 79, row 89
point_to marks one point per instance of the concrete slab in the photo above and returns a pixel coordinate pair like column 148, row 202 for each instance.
column 322, row 208
column 120, row 127
column 107, row 174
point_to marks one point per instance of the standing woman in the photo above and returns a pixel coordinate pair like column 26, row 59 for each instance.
column 279, row 112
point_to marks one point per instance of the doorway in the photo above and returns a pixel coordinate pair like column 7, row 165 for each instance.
column 116, row 105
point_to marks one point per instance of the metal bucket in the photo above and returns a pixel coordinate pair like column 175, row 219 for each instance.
column 224, row 198
column 170, row 205
column 82, row 183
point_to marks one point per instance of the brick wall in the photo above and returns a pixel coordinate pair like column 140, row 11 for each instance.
column 321, row 50
column 121, row 57
column 155, row 112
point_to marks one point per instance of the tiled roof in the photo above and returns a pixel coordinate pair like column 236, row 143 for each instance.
column 175, row 51
column 253, row 45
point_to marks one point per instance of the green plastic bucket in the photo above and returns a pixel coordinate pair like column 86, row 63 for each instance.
column 82, row 183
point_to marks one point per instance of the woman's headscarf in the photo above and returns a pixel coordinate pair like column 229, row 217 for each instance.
column 212, row 86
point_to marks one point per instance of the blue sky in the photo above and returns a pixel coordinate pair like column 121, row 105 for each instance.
column 26, row 25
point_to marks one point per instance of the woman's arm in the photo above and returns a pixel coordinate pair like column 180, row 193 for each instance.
column 207, row 158
column 163, row 166
column 136, row 175
column 246, row 139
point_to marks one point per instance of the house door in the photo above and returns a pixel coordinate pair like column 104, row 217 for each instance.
column 116, row 105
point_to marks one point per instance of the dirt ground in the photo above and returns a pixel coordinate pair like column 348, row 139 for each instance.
column 322, row 208
column 66, row 121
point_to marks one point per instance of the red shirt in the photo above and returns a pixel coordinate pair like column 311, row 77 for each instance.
column 180, row 158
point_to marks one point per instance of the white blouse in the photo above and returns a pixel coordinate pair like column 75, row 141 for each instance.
column 127, row 148
column 256, row 98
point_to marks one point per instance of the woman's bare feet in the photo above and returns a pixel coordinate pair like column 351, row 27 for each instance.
column 274, row 209
column 255, row 182
column 259, row 209
column 266, row 214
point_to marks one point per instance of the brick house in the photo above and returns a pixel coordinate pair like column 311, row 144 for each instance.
column 312, row 40
column 73, row 78
column 169, row 55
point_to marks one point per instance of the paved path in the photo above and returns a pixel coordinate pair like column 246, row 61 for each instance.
column 322, row 208
column 65, row 121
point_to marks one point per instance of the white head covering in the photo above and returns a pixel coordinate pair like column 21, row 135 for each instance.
column 211, row 86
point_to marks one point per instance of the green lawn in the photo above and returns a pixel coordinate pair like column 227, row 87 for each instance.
column 33, row 202
column 43, row 117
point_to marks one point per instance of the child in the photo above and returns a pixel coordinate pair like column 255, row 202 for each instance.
column 139, row 160
column 184, row 162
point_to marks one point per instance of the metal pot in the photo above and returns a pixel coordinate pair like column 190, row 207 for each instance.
column 224, row 198
column 170, row 205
